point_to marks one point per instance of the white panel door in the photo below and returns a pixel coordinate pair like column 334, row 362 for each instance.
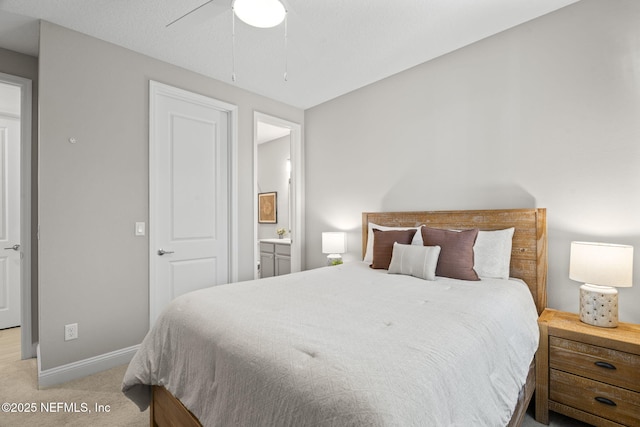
column 10, row 253
column 189, row 194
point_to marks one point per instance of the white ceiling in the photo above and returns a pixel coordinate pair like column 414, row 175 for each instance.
column 267, row 132
column 334, row 46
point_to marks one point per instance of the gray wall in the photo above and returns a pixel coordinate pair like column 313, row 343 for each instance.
column 93, row 270
column 272, row 176
column 543, row 115
column 26, row 66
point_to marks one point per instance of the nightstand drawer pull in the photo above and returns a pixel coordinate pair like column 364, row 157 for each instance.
column 605, row 401
column 605, row 365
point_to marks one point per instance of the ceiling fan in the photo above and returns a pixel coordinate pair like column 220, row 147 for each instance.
column 257, row 13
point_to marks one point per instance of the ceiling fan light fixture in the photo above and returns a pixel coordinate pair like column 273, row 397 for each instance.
column 260, row 13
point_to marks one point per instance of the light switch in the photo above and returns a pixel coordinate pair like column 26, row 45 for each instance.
column 140, row 228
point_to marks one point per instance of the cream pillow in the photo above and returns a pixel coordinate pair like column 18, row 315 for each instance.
column 492, row 253
column 417, row 261
column 368, row 255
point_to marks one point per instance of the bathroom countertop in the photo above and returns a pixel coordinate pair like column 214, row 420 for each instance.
column 284, row 241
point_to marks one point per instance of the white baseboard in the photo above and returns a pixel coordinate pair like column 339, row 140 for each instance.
column 82, row 368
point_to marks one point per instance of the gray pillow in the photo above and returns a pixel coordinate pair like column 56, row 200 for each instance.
column 417, row 261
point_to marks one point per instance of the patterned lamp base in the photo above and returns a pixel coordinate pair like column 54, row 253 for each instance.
column 599, row 305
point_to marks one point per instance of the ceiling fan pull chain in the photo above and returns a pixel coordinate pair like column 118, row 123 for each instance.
column 286, row 58
column 233, row 45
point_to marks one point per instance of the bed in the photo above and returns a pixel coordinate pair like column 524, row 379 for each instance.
column 334, row 346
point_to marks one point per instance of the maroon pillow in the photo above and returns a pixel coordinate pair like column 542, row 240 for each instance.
column 456, row 252
column 383, row 245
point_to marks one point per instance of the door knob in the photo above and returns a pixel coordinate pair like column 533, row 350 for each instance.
column 163, row 252
column 14, row 247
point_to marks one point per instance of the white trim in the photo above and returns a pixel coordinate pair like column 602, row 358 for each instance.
column 155, row 89
column 297, row 189
column 26, row 341
column 82, row 368
column 234, row 253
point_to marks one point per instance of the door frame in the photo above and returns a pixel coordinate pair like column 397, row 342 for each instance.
column 297, row 189
column 27, row 346
column 155, row 89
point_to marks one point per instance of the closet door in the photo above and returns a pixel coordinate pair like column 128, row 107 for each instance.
column 189, row 219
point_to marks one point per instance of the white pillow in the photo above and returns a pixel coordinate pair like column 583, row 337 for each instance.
column 492, row 253
column 417, row 261
column 368, row 256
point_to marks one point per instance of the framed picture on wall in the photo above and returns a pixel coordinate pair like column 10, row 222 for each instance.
column 267, row 208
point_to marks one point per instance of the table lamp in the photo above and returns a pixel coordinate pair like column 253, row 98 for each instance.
column 334, row 243
column 602, row 267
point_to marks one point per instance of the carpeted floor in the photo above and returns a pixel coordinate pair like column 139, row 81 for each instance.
column 94, row 401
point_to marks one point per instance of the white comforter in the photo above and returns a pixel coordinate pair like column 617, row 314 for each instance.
column 343, row 346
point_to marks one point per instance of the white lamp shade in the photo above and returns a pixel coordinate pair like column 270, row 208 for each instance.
column 334, row 242
column 260, row 13
column 601, row 264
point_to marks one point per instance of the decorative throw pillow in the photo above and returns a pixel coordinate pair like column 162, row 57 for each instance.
column 456, row 253
column 383, row 245
column 368, row 255
column 492, row 253
column 417, row 261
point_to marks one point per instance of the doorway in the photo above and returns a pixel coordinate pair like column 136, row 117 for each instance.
column 15, row 232
column 285, row 169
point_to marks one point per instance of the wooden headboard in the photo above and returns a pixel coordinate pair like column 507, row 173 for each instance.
column 529, row 249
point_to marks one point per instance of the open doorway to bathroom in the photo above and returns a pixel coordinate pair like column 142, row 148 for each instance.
column 278, row 195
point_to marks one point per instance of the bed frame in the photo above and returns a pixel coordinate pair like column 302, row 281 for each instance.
column 528, row 262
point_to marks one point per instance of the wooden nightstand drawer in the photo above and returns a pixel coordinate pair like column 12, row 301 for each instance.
column 588, row 373
column 603, row 400
column 598, row 363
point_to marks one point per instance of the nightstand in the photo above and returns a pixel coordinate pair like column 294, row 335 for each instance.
column 586, row 372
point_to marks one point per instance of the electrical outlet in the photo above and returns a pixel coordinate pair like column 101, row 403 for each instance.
column 70, row 331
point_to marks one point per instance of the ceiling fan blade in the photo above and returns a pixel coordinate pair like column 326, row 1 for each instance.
column 200, row 14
